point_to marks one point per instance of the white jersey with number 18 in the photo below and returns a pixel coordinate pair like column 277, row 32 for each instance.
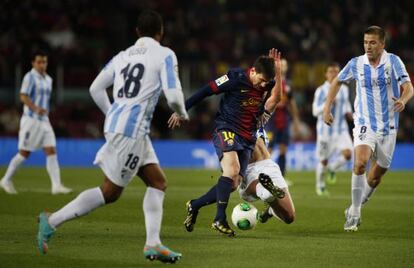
column 139, row 73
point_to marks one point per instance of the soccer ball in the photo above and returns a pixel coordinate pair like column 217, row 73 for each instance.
column 244, row 216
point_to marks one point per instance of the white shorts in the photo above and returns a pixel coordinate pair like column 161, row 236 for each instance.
column 382, row 146
column 35, row 134
column 121, row 157
column 325, row 147
column 269, row 167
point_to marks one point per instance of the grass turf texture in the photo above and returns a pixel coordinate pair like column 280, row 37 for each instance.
column 114, row 236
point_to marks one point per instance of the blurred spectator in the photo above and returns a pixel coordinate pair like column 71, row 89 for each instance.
column 207, row 36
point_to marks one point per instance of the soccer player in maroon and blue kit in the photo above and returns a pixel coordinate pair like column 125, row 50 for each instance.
column 250, row 97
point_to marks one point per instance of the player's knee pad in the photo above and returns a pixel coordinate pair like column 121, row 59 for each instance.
column 264, row 194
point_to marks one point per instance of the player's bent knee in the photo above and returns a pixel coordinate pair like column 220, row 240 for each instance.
column 159, row 184
column 290, row 218
column 111, row 197
column 359, row 167
column 347, row 155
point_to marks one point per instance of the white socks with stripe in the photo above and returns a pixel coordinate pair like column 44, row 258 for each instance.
column 15, row 162
column 358, row 185
column 264, row 194
column 320, row 176
column 84, row 203
column 367, row 192
column 52, row 167
column 152, row 206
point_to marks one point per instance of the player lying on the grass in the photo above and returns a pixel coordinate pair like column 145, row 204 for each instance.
column 379, row 76
column 242, row 107
column 137, row 74
column 264, row 181
column 329, row 140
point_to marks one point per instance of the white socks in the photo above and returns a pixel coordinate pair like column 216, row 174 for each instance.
column 152, row 206
column 264, row 194
column 84, row 203
column 52, row 167
column 320, row 176
column 367, row 192
column 358, row 185
column 340, row 161
column 16, row 161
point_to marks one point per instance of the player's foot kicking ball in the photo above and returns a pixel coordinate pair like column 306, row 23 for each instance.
column 45, row 233
column 161, row 253
column 191, row 217
column 223, row 227
column 267, row 183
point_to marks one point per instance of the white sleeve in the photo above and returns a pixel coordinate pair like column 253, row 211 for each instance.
column 346, row 73
column 399, row 70
column 98, row 88
column 27, row 84
column 318, row 102
column 171, row 85
column 348, row 106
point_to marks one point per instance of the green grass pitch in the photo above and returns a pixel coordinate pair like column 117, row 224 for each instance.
column 114, row 236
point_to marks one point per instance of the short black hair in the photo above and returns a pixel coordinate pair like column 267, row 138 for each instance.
column 149, row 23
column 37, row 52
column 377, row 31
column 265, row 65
column 333, row 64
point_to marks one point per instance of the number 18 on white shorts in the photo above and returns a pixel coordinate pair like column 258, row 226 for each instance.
column 121, row 157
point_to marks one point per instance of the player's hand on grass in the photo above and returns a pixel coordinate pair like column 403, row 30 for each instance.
column 398, row 105
column 175, row 121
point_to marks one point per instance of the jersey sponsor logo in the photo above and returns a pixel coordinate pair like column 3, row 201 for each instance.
column 250, row 102
column 221, row 80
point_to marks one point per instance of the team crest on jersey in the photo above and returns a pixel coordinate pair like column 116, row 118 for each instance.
column 221, row 80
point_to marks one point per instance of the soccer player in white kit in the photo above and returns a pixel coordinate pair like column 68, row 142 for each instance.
column 379, row 75
column 331, row 139
column 35, row 130
column 138, row 75
column 264, row 181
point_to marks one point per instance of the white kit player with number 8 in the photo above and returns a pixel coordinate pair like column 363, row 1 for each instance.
column 138, row 75
column 379, row 75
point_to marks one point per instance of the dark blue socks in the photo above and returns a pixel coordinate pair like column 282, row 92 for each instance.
column 224, row 187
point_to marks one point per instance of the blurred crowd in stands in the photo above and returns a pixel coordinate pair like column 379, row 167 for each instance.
column 208, row 37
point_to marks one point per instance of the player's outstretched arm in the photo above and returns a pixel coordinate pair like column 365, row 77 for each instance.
column 277, row 92
column 407, row 94
column 333, row 91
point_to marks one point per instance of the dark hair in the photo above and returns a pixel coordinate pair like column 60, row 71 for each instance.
column 36, row 53
column 149, row 23
column 266, row 66
column 333, row 64
column 377, row 31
